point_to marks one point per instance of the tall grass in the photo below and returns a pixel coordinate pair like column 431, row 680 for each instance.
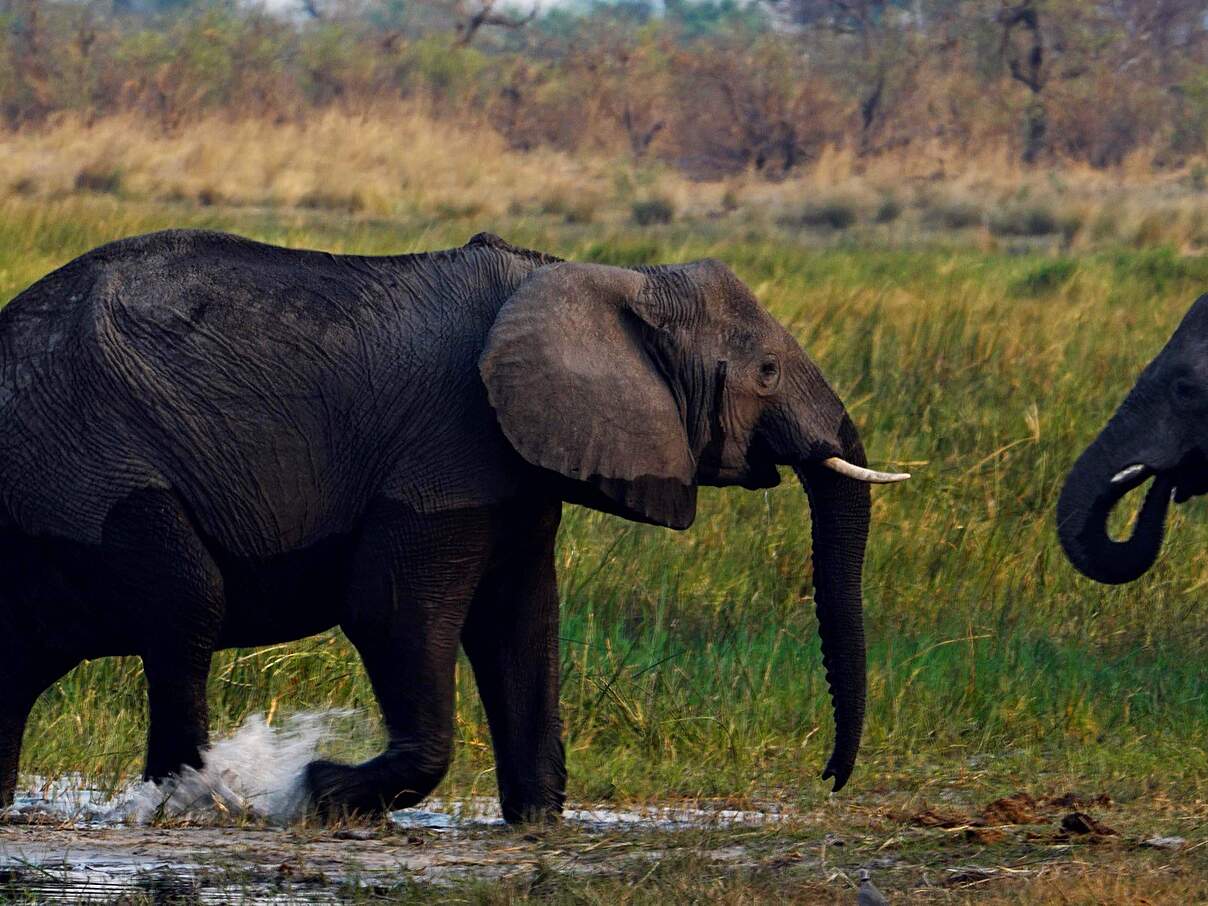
column 690, row 664
column 398, row 162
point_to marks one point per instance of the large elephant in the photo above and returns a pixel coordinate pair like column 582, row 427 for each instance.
column 1160, row 431
column 208, row 442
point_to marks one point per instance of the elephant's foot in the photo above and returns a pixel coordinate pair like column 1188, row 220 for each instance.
column 166, row 758
column 342, row 790
column 8, row 775
column 545, row 811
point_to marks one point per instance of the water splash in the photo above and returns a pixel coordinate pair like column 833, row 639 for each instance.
column 256, row 772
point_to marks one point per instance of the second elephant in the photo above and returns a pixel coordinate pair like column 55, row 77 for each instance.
column 1160, row 432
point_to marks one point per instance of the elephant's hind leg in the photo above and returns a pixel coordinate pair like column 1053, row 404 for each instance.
column 38, row 640
column 22, row 679
column 13, row 713
column 168, row 590
column 413, row 578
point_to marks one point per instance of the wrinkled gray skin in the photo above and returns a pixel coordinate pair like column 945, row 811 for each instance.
column 1162, row 426
column 208, row 442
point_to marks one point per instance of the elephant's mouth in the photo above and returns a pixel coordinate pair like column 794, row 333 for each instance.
column 755, row 471
column 751, row 476
column 761, row 474
column 1189, row 478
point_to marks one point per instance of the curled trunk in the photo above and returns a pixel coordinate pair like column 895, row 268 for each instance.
column 1086, row 502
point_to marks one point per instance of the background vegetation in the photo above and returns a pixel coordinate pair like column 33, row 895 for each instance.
column 708, row 88
column 980, row 218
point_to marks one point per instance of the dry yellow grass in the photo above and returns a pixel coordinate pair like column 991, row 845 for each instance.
column 393, row 162
column 398, row 161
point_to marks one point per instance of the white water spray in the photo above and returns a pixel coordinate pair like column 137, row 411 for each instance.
column 256, row 772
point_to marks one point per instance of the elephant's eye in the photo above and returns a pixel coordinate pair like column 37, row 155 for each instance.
column 769, row 373
column 1185, row 390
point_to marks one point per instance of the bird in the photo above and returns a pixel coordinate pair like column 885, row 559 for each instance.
column 868, row 894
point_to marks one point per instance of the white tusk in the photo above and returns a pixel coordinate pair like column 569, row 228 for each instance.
column 843, row 467
column 1126, row 474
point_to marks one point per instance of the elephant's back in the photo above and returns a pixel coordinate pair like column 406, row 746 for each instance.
column 242, row 376
column 274, row 390
column 52, row 447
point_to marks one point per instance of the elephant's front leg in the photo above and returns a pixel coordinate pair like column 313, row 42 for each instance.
column 413, row 578
column 511, row 638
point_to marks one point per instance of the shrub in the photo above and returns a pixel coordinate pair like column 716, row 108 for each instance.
column 951, row 214
column 331, row 200
column 1197, row 178
column 1155, row 228
column 1069, row 225
column 653, row 211
column 834, row 213
column 1024, row 220
column 208, row 195
column 577, row 207
column 24, row 185
column 1159, row 268
column 1044, row 278
column 99, row 177
column 1197, row 228
column 889, row 210
column 458, row 210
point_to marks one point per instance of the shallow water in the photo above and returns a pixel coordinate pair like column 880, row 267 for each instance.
column 256, row 773
column 65, row 841
column 483, row 812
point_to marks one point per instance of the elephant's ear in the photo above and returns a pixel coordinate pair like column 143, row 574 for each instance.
column 576, row 389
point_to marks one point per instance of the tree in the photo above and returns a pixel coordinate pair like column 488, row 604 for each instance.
column 1023, row 50
column 870, row 44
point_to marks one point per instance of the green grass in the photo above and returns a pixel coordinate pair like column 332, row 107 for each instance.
column 690, row 661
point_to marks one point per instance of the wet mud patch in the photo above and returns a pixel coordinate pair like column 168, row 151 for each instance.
column 236, row 830
column 300, row 864
column 697, row 851
column 233, row 832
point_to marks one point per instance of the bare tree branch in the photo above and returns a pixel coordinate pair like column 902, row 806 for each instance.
column 486, row 15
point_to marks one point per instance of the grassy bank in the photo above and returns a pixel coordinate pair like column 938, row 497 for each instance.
column 690, row 661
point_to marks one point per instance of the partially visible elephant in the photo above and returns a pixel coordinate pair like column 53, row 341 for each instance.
column 1160, row 431
column 208, row 442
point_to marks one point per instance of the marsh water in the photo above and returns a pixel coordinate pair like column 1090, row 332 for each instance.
column 231, row 832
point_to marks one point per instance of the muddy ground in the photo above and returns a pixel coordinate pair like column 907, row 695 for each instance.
column 1063, row 848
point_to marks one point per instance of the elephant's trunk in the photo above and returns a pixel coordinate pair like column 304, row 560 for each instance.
column 1086, row 501
column 839, row 509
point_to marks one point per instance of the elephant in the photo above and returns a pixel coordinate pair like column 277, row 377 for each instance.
column 208, row 442
column 1160, row 431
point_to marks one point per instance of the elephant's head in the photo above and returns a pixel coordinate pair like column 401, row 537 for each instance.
column 1160, row 431
column 640, row 385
